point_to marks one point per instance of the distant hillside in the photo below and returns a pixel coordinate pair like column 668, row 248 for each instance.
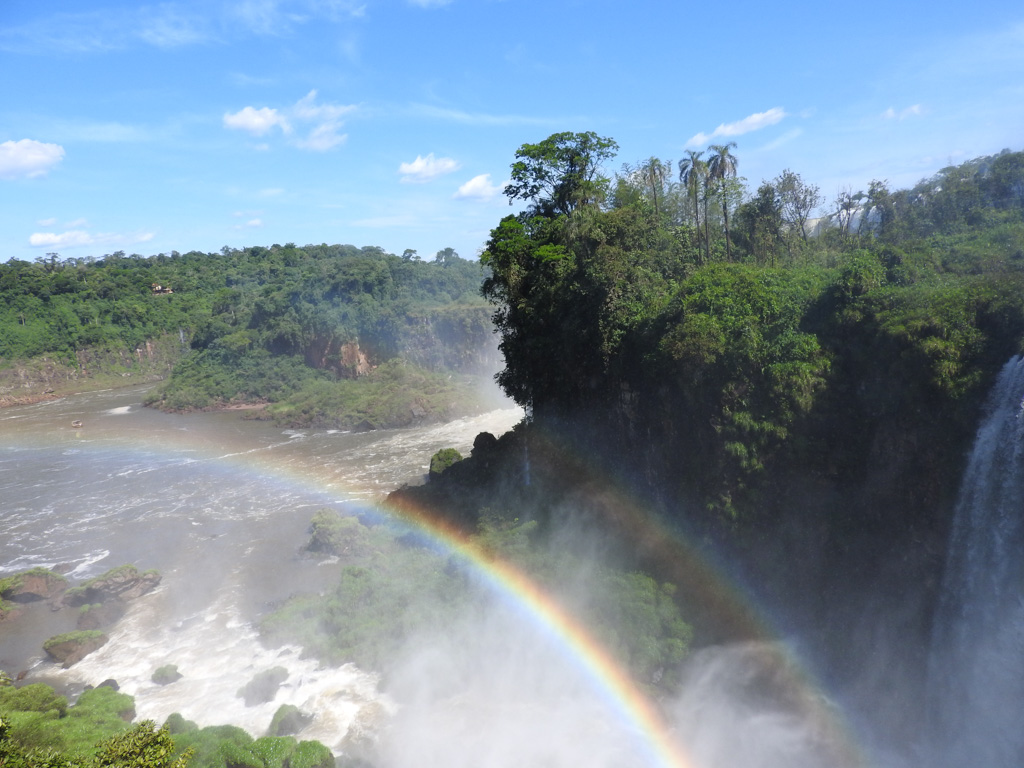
column 253, row 325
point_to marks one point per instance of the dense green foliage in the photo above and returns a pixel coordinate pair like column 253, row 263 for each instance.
column 261, row 324
column 443, row 459
column 391, row 592
column 40, row 719
column 39, row 730
column 741, row 337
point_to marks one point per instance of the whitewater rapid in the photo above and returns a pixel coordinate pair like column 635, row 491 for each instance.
column 221, row 507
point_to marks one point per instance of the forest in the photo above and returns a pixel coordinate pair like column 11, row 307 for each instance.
column 263, row 325
column 668, row 306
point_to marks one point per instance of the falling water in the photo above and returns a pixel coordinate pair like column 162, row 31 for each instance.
column 976, row 668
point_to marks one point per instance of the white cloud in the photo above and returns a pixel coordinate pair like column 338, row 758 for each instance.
column 914, row 110
column 754, row 122
column 324, row 122
column 73, row 237
column 256, row 121
column 77, row 223
column 479, row 188
column 79, row 237
column 47, row 222
column 28, row 158
column 424, row 169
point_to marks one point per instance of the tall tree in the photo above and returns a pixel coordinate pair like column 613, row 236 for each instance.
column 655, row 174
column 797, row 200
column 722, row 165
column 561, row 173
column 693, row 173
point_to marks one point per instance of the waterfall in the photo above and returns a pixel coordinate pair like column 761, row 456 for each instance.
column 976, row 665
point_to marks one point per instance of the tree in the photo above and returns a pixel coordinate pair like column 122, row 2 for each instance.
column 760, row 223
column 655, row 174
column 445, row 256
column 722, row 165
column 693, row 173
column 561, row 173
column 847, row 204
column 797, row 200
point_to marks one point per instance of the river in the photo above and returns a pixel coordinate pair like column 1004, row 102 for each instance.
column 220, row 506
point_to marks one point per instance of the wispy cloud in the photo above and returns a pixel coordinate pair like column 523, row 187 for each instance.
column 479, row 118
column 326, row 120
column 785, row 138
column 479, row 188
column 385, row 222
column 28, row 159
column 275, row 17
column 754, row 122
column 166, row 25
column 914, row 110
column 322, row 123
column 424, row 169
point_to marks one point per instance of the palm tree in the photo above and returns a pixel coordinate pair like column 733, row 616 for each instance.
column 693, row 173
column 721, row 165
column 654, row 173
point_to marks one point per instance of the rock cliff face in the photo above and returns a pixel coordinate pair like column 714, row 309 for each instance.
column 457, row 339
column 45, row 378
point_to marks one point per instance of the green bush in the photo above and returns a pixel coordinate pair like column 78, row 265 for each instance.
column 443, row 459
column 166, row 674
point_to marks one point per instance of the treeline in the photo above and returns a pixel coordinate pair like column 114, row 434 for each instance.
column 724, row 341
column 259, row 322
column 278, row 297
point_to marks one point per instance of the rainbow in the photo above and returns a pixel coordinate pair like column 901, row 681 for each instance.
column 614, row 684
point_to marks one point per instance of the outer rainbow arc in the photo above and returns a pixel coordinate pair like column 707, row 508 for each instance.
column 587, row 651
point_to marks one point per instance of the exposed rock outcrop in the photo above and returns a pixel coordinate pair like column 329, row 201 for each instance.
column 32, row 585
column 263, row 687
column 123, row 583
column 72, row 647
column 100, row 615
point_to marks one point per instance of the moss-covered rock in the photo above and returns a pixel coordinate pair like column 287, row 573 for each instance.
column 443, row 459
column 263, row 687
column 125, row 582
column 71, row 647
column 288, row 720
column 166, row 674
column 31, row 585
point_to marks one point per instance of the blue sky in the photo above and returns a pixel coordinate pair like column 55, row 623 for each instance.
column 189, row 125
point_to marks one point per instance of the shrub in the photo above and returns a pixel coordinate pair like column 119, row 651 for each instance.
column 443, row 459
